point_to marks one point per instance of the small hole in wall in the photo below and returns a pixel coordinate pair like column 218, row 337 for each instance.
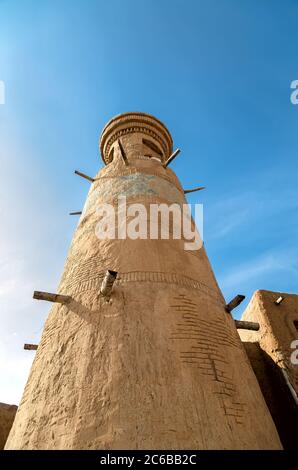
column 296, row 324
column 152, row 146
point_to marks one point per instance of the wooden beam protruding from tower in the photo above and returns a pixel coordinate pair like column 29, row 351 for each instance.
column 107, row 283
column 171, row 157
column 279, row 300
column 84, row 176
column 30, row 347
column 247, row 325
column 199, row 188
column 75, row 213
column 234, row 302
column 59, row 298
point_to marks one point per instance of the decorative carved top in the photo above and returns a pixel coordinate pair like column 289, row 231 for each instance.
column 127, row 123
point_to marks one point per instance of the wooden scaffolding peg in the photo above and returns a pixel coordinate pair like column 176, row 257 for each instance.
column 84, row 176
column 75, row 213
column 30, row 347
column 247, row 325
column 171, row 158
column 62, row 299
column 107, row 283
column 279, row 300
column 234, row 302
column 187, row 191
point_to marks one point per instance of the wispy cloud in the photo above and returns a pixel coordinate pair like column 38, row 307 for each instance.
column 242, row 274
column 243, row 209
column 275, row 270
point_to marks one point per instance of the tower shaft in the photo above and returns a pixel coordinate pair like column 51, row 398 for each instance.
column 160, row 365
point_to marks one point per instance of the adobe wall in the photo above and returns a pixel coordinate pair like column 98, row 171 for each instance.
column 270, row 353
column 7, row 415
column 277, row 328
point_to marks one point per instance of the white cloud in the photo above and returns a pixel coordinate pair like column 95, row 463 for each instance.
column 243, row 273
column 269, row 271
column 246, row 208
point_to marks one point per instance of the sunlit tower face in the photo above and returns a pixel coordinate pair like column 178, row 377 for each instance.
column 140, row 352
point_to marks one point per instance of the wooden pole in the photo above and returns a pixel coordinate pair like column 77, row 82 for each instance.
column 62, row 299
column 234, row 302
column 75, row 213
column 123, row 154
column 279, row 300
column 30, row 347
column 247, row 325
column 84, row 176
column 187, row 191
column 171, row 158
column 107, row 283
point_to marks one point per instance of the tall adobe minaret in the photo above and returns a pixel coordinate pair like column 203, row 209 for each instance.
column 158, row 364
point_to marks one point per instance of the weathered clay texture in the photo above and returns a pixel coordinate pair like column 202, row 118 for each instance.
column 7, row 415
column 161, row 366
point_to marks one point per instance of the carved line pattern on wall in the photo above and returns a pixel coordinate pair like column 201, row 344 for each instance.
column 88, row 276
column 206, row 341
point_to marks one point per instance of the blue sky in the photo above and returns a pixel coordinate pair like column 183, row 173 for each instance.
column 217, row 72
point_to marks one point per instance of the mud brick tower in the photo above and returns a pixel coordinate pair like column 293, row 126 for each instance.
column 160, row 365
